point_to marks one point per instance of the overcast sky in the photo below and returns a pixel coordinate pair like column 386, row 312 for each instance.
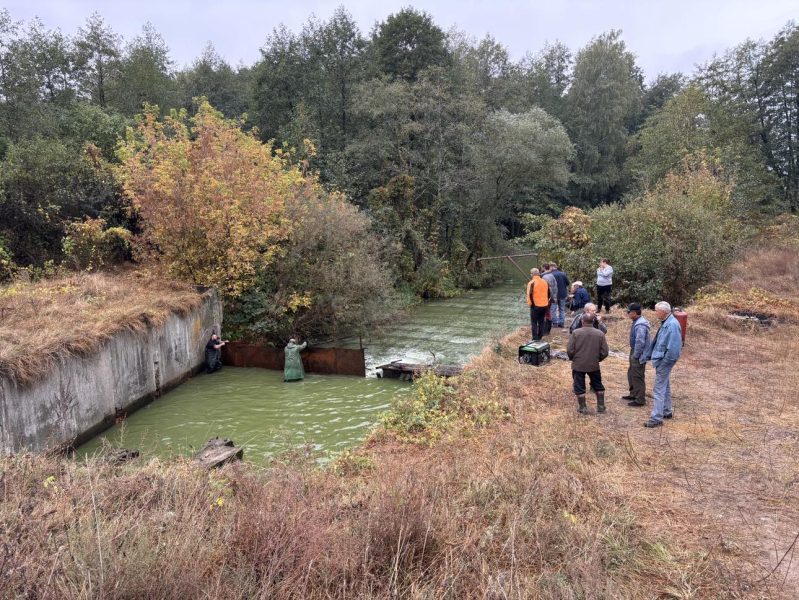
column 665, row 35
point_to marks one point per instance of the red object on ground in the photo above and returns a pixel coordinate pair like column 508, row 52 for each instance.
column 682, row 318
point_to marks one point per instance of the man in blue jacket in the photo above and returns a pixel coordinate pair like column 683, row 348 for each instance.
column 639, row 343
column 664, row 353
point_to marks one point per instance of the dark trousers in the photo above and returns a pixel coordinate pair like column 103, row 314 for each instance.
column 537, row 317
column 578, row 378
column 213, row 360
column 636, row 378
column 603, row 297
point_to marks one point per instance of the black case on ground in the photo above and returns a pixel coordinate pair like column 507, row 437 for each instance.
column 535, row 353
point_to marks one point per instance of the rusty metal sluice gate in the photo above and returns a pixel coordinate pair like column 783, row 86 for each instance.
column 324, row 361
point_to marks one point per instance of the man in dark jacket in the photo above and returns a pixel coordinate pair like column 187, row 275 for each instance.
column 213, row 354
column 559, row 320
column 639, row 343
column 547, row 276
column 586, row 349
column 581, row 297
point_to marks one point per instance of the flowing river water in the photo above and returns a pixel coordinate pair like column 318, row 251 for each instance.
column 325, row 413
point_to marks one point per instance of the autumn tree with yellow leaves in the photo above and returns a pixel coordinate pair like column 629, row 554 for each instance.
column 219, row 207
column 211, row 197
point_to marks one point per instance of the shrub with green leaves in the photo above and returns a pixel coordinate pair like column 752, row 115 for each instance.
column 423, row 411
column 89, row 245
column 664, row 245
column 7, row 266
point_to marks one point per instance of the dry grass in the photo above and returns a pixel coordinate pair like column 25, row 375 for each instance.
column 546, row 504
column 531, row 509
column 46, row 321
column 543, row 504
column 764, row 280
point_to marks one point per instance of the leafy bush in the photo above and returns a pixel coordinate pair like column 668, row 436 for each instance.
column 47, row 184
column 423, row 411
column 330, row 278
column 666, row 244
column 7, row 266
column 89, row 245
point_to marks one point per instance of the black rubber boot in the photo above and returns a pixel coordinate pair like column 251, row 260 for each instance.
column 581, row 407
column 600, row 402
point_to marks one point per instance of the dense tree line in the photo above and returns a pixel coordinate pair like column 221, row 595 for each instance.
column 443, row 141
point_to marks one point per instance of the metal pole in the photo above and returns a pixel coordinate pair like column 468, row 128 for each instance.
column 510, row 258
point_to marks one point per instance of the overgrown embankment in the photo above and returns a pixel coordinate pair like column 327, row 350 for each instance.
column 74, row 315
column 512, row 494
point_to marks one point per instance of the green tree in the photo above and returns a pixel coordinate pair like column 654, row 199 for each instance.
column 97, row 52
column 780, row 113
column 521, row 161
column 488, row 70
column 604, row 102
column 143, row 75
column 548, row 77
column 210, row 76
column 660, row 91
column 689, row 127
column 407, row 43
column 278, row 82
column 756, row 84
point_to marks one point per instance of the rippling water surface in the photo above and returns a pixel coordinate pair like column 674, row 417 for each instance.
column 256, row 409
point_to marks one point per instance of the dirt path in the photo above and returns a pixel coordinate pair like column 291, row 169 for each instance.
column 725, row 469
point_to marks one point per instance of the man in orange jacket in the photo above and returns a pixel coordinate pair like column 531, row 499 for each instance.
column 538, row 301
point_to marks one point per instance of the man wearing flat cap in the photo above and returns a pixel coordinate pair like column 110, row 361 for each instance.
column 639, row 343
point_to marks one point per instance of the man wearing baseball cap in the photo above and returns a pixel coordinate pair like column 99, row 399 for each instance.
column 639, row 343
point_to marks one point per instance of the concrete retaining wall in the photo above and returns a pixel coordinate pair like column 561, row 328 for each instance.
column 82, row 396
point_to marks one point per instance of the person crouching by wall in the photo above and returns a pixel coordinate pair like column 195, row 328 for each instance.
column 586, row 349
column 580, row 296
column 538, row 301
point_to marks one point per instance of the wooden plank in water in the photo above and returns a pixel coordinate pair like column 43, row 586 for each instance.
column 397, row 369
column 217, row 452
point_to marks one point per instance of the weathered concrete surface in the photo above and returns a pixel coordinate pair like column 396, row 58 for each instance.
column 84, row 395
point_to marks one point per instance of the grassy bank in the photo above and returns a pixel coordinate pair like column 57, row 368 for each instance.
column 510, row 494
column 74, row 315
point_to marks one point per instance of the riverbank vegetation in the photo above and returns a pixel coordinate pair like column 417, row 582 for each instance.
column 675, row 237
column 531, row 501
column 444, row 146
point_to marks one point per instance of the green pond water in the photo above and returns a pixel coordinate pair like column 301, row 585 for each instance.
column 325, row 413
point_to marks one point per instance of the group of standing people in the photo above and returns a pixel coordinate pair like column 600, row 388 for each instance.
column 588, row 346
column 547, row 293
